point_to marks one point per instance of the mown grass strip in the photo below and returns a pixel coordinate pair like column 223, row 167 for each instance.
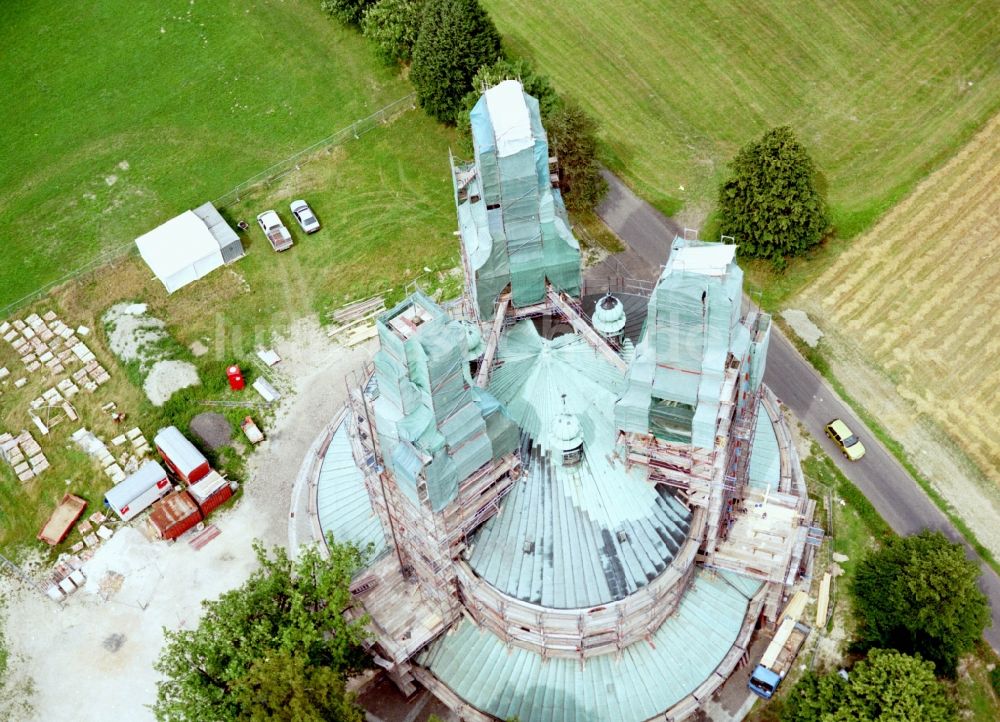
column 880, row 96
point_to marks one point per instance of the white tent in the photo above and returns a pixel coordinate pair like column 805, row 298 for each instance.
column 180, row 251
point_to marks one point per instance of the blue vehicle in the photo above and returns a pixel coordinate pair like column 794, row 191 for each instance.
column 778, row 658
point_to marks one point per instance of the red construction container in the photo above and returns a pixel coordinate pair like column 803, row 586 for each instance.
column 211, row 492
column 181, row 455
column 174, row 514
column 235, row 376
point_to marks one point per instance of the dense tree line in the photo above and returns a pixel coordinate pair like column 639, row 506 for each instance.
column 887, row 685
column 454, row 53
column 919, row 610
column 918, row 594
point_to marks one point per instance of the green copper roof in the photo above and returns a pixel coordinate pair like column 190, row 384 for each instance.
column 342, row 502
column 765, row 459
column 647, row 679
column 571, row 536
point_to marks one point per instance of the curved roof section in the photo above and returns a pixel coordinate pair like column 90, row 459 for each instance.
column 765, row 457
column 342, row 502
column 646, row 680
column 571, row 537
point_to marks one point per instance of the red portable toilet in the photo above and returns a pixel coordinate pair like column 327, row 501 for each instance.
column 235, row 375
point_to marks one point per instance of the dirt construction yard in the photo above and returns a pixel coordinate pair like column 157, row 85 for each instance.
column 91, row 658
column 910, row 317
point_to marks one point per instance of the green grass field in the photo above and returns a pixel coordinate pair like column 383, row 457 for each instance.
column 880, row 93
column 118, row 115
column 387, row 212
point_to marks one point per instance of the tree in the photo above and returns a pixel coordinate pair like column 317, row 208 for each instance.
column 770, row 203
column 887, row 686
column 391, row 26
column 919, row 594
column 456, row 38
column 536, row 85
column 573, row 139
column 274, row 635
column 348, row 12
column 282, row 687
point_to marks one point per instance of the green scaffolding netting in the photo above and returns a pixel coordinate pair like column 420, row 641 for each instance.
column 513, row 223
column 433, row 428
column 693, row 329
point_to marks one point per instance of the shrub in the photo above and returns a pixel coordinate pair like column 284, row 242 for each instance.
column 573, row 138
column 348, row 12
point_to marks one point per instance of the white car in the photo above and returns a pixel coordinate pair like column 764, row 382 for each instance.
column 304, row 215
column 278, row 236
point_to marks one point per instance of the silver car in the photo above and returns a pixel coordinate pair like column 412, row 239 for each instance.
column 304, row 215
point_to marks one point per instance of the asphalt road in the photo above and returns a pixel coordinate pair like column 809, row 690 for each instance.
column 879, row 476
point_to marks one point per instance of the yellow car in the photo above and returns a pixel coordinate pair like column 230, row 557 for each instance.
column 844, row 438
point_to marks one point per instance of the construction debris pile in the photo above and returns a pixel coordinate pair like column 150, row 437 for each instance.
column 24, row 455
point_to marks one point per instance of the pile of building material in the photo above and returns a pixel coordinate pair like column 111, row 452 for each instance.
column 65, row 581
column 91, row 376
column 24, row 454
column 45, row 342
column 355, row 323
column 52, row 406
column 115, row 468
column 140, row 446
column 266, row 390
column 93, row 531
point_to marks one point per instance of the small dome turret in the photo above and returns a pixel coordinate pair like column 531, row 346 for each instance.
column 609, row 316
column 566, row 437
column 473, row 341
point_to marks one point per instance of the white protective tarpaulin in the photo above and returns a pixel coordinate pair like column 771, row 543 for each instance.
column 510, row 117
column 180, row 251
column 709, row 260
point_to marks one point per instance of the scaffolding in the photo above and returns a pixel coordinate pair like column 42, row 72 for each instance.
column 514, row 227
column 439, row 453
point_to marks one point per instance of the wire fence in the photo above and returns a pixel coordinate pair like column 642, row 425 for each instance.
column 280, row 169
column 294, row 162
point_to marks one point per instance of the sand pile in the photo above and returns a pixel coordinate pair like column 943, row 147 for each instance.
column 137, row 337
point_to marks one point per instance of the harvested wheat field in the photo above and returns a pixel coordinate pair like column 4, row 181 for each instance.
column 911, row 316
